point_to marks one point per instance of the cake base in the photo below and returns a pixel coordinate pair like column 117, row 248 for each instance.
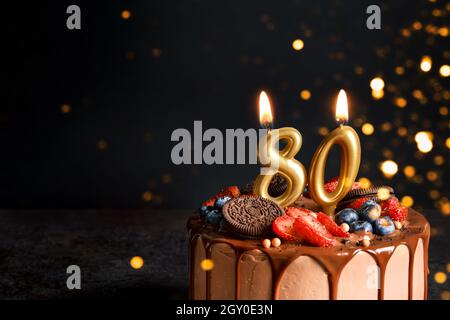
column 392, row 267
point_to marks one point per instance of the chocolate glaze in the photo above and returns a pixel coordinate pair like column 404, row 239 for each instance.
column 333, row 259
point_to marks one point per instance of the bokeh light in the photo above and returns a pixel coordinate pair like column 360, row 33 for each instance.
column 298, row 44
column 407, row 201
column 305, row 94
column 383, row 193
column 207, row 264
column 426, row 63
column 126, row 14
column 367, row 129
column 444, row 70
column 137, row 262
column 377, row 84
column 440, row 277
column 409, row 171
column 389, row 168
column 364, row 182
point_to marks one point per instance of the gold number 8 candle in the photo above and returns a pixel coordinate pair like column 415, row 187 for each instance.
column 281, row 161
column 348, row 141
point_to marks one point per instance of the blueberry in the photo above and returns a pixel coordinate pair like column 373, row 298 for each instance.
column 204, row 210
column 220, row 202
column 384, row 226
column 361, row 226
column 370, row 211
column 346, row 215
column 214, row 217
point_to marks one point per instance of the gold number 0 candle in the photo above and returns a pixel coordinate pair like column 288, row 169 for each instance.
column 281, row 161
column 348, row 141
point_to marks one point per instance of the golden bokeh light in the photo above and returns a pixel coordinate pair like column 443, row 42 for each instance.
column 445, row 208
column 389, row 168
column 207, row 264
column 298, row 44
column 438, row 160
column 434, row 194
column 126, row 14
column 386, row 126
column 444, row 70
column 383, row 193
column 407, row 201
column 377, row 94
column 445, row 295
column 147, row 196
column 409, row 171
column 401, row 102
column 402, row 131
column 443, row 111
column 364, row 183
column 377, row 84
column 400, row 70
column 417, row 25
column 447, row 142
column 426, row 63
column 102, row 145
column 323, row 131
column 443, row 31
column 137, row 262
column 305, row 94
column 66, row 108
column 440, row 277
column 432, row 176
column 367, row 129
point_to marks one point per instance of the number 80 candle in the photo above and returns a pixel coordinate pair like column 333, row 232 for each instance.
column 281, row 161
column 348, row 141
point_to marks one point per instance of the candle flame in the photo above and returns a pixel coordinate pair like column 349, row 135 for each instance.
column 265, row 111
column 342, row 107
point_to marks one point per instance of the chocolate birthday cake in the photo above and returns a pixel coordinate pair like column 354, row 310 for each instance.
column 243, row 246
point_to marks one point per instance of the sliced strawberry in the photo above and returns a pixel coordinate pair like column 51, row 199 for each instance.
column 313, row 231
column 357, row 203
column 331, row 226
column 399, row 214
column 295, row 212
column 331, row 185
column 390, row 205
column 232, row 191
column 284, row 228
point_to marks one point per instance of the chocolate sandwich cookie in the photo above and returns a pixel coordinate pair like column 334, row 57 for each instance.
column 277, row 186
column 250, row 216
column 370, row 193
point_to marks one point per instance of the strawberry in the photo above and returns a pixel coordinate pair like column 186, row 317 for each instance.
column 389, row 205
column 357, row 203
column 331, row 185
column 399, row 214
column 331, row 226
column 311, row 230
column 296, row 212
column 284, row 228
column 232, row 191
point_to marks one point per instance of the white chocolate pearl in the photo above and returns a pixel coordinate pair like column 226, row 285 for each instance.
column 266, row 243
column 276, row 242
column 366, row 242
column 345, row 227
column 398, row 225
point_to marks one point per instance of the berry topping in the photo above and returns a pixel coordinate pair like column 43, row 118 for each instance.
column 361, row 226
column 400, row 214
column 204, row 210
column 347, row 216
column 214, row 217
column 370, row 211
column 384, row 226
column 311, row 230
column 232, row 192
column 284, row 228
column 296, row 212
column 358, row 203
column 331, row 185
column 331, row 226
column 390, row 205
column 220, row 202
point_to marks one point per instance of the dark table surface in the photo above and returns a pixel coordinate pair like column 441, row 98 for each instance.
column 36, row 247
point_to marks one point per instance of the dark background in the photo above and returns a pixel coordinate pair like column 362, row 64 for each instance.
column 130, row 82
column 86, row 118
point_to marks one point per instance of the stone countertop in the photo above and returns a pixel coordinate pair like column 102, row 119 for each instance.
column 37, row 246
